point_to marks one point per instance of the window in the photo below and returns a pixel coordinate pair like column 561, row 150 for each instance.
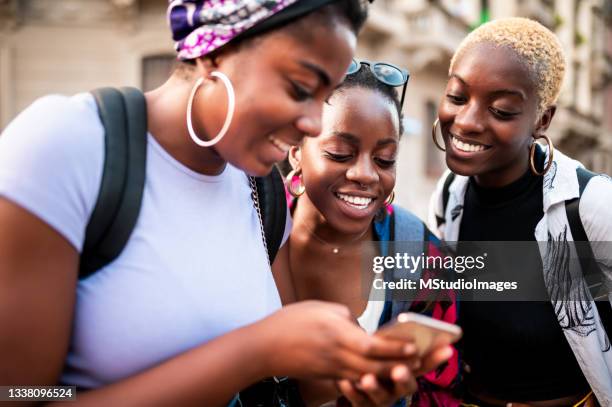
column 434, row 158
column 156, row 70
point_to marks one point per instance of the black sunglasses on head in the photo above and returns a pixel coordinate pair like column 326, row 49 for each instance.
column 386, row 73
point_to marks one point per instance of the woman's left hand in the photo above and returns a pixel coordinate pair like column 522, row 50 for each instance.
column 370, row 392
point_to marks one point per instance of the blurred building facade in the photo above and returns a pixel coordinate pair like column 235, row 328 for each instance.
column 422, row 36
column 70, row 46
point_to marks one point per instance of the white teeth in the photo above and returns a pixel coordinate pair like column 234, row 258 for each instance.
column 284, row 147
column 470, row 148
column 359, row 202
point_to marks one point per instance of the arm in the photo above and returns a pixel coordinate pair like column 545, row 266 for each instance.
column 38, row 272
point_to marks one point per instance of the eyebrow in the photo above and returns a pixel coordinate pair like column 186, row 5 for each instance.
column 353, row 139
column 323, row 76
column 512, row 92
column 348, row 137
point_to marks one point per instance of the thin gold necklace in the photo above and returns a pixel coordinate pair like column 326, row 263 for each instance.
column 335, row 248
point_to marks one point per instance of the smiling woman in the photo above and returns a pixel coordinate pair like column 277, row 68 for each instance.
column 343, row 212
column 503, row 84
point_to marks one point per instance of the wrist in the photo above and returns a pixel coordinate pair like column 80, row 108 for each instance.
column 258, row 352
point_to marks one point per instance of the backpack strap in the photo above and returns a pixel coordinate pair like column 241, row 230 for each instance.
column 406, row 227
column 124, row 116
column 271, row 192
column 593, row 275
column 445, row 195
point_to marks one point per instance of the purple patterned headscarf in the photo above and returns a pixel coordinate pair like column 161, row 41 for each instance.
column 201, row 26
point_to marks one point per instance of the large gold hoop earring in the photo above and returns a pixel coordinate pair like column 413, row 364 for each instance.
column 390, row 198
column 289, row 182
column 551, row 154
column 434, row 130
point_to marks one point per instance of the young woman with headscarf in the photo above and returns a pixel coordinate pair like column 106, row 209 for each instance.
column 184, row 315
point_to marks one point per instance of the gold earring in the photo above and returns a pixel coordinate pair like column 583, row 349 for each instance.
column 434, row 130
column 390, row 198
column 532, row 149
column 289, row 182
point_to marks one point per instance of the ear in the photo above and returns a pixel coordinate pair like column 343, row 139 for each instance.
column 206, row 65
column 545, row 120
column 211, row 61
column 295, row 157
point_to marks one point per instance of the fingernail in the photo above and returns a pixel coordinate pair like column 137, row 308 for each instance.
column 368, row 381
column 448, row 352
column 400, row 373
column 409, row 349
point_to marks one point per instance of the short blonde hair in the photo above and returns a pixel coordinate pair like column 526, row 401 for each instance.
column 537, row 47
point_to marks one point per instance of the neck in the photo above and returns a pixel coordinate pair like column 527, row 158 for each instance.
column 308, row 220
column 505, row 176
column 166, row 115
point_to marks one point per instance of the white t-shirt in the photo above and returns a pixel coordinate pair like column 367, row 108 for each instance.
column 194, row 267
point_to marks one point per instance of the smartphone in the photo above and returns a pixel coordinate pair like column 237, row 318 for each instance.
column 426, row 333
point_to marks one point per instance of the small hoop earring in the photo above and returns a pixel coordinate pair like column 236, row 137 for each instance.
column 532, row 149
column 434, row 130
column 289, row 181
column 231, row 105
column 390, row 198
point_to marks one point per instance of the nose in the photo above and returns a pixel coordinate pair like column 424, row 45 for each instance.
column 309, row 123
column 363, row 171
column 469, row 119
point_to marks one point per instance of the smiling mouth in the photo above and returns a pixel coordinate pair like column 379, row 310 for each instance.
column 281, row 145
column 357, row 202
column 467, row 147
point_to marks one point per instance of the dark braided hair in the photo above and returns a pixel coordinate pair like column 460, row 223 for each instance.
column 364, row 78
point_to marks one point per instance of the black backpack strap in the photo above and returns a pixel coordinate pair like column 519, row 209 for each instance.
column 445, row 195
column 273, row 205
column 124, row 116
column 593, row 275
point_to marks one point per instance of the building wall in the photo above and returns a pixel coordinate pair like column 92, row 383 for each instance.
column 70, row 46
column 87, row 46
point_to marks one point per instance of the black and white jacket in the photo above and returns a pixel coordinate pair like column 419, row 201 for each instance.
column 579, row 319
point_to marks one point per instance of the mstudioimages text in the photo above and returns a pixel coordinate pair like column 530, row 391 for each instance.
column 440, row 284
column 404, row 261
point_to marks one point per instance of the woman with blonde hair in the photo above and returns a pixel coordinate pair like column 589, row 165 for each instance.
column 504, row 81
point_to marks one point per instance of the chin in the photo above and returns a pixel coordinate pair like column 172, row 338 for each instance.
column 461, row 168
column 252, row 166
column 258, row 170
column 351, row 226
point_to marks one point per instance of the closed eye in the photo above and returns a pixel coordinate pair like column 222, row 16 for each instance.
column 455, row 99
column 385, row 163
column 338, row 157
column 502, row 114
column 300, row 93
